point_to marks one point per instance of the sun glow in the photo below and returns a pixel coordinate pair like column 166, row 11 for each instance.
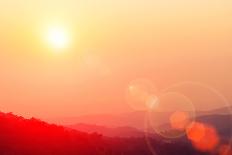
column 58, row 37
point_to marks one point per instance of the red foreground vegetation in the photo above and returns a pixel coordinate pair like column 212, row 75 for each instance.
column 19, row 136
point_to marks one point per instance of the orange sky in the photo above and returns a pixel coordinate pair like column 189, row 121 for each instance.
column 112, row 43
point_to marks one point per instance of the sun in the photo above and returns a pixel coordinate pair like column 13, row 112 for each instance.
column 58, row 37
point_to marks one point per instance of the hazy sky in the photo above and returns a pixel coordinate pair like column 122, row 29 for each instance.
column 112, row 42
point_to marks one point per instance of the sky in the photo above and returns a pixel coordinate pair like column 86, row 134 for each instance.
column 111, row 45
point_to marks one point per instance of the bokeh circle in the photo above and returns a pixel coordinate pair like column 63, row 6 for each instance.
column 171, row 115
column 140, row 94
column 206, row 102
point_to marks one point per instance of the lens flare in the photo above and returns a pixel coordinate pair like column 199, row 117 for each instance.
column 204, row 97
column 171, row 115
column 179, row 120
column 203, row 137
column 140, row 94
column 196, row 132
column 189, row 97
column 225, row 149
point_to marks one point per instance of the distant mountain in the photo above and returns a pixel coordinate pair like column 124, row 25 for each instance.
column 134, row 119
column 222, row 123
column 107, row 131
column 223, row 110
column 110, row 125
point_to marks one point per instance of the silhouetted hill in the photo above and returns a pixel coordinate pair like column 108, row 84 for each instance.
column 19, row 136
column 32, row 136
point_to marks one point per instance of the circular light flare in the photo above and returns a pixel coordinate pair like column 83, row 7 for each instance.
column 179, row 120
column 203, row 137
column 225, row 149
column 140, row 94
column 171, row 115
column 58, row 37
